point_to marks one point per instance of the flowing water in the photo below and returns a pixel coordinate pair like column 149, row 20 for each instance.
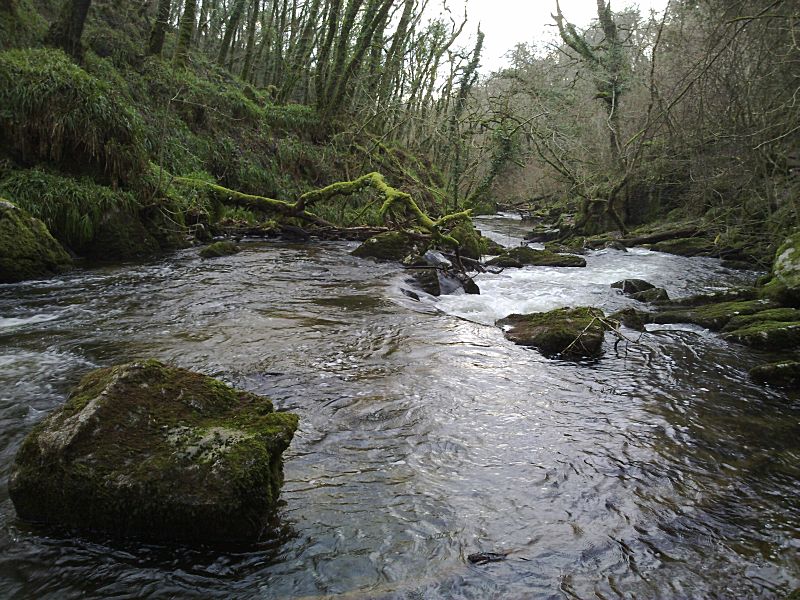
column 658, row 471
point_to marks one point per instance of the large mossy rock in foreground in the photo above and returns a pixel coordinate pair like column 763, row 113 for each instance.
column 155, row 452
column 27, row 250
column 524, row 256
column 566, row 332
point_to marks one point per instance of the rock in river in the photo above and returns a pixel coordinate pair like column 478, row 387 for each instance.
column 156, row 452
column 391, row 246
column 524, row 256
column 565, row 332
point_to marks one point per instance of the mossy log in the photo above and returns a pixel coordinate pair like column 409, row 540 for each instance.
column 392, row 198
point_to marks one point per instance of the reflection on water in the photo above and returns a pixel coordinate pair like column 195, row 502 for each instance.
column 658, row 471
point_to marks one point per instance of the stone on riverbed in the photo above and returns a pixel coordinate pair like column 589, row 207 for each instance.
column 524, row 256
column 155, row 452
column 571, row 333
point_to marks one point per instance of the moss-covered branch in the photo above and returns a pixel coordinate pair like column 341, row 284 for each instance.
column 260, row 203
column 391, row 198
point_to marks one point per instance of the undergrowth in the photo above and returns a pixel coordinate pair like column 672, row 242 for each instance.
column 71, row 208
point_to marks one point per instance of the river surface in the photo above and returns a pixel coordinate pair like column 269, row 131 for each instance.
column 658, row 471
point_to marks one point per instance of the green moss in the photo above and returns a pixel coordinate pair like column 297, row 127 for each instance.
column 21, row 24
column 55, row 111
column 392, row 245
column 567, row 332
column 27, row 250
column 217, row 249
column 712, row 316
column 472, row 245
column 694, row 246
column 775, row 314
column 73, row 209
column 768, row 335
column 153, row 451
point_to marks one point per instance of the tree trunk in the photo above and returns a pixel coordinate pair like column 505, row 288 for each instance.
column 251, row 39
column 66, row 31
column 230, row 28
column 185, row 32
column 159, row 30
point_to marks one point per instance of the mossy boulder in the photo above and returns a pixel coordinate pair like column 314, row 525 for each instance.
column 786, row 267
column 779, row 374
column 711, row 316
column 156, row 452
column 543, row 233
column 767, row 335
column 523, row 256
column 570, row 333
column 729, row 295
column 690, row 246
column 217, row 249
column 473, row 245
column 785, row 315
column 27, row 250
column 391, row 246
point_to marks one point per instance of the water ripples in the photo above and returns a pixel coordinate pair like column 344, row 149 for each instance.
column 658, row 471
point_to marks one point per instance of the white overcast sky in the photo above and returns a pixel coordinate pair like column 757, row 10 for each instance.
column 510, row 22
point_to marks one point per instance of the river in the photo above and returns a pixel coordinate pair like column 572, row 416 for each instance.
column 658, row 471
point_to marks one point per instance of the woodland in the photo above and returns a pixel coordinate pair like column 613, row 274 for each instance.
column 132, row 107
column 300, row 300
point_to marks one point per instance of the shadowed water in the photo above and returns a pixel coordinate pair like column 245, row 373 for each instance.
column 658, row 471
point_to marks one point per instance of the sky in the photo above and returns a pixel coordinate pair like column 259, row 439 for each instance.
column 507, row 23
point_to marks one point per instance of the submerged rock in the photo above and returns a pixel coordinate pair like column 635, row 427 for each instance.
column 780, row 374
column 217, row 249
column 27, row 250
column 566, row 332
column 390, row 246
column 152, row 451
column 524, row 256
